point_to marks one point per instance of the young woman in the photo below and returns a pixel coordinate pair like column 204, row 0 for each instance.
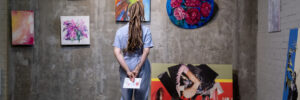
column 131, row 47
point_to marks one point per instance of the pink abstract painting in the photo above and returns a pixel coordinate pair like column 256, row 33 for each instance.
column 75, row 30
column 22, row 27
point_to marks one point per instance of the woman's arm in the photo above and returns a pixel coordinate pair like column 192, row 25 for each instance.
column 145, row 54
column 120, row 58
column 191, row 91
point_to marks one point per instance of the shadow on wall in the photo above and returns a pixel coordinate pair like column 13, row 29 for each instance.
column 236, row 94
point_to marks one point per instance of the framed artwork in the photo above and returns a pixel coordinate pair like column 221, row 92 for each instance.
column 122, row 7
column 75, row 30
column 190, row 14
column 191, row 81
column 274, row 16
column 22, row 27
column 292, row 69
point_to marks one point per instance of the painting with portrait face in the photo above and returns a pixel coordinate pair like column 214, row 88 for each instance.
column 191, row 81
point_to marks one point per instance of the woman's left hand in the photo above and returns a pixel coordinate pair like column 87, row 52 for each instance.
column 135, row 72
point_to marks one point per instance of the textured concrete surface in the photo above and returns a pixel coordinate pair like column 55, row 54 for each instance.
column 244, row 60
column 272, row 49
column 49, row 71
column 3, row 49
column 210, row 44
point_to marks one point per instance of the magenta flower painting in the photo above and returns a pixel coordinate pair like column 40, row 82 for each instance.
column 190, row 14
column 75, row 30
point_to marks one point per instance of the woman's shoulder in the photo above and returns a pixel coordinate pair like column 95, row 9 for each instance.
column 145, row 28
column 123, row 29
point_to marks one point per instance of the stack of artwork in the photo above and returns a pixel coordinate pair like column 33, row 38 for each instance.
column 191, row 82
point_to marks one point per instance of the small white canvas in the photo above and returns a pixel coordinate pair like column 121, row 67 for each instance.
column 274, row 16
column 75, row 30
column 132, row 85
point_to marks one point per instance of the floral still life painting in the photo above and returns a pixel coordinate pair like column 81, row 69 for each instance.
column 75, row 30
column 22, row 27
column 190, row 14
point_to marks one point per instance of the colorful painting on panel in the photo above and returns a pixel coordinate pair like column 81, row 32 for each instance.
column 190, row 14
column 22, row 27
column 122, row 6
column 290, row 91
column 191, row 82
column 274, row 16
column 75, row 30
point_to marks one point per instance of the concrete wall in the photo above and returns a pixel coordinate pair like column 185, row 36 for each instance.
column 244, row 59
column 212, row 43
column 3, row 48
column 49, row 71
column 272, row 49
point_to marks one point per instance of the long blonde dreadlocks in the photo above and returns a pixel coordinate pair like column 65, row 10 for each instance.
column 135, row 33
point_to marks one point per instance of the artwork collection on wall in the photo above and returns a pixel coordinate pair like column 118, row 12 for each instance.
column 74, row 29
column 22, row 27
column 122, row 7
column 187, row 14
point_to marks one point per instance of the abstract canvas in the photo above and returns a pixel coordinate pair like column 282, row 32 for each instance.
column 75, row 30
column 274, row 16
column 292, row 69
column 122, row 6
column 190, row 14
column 22, row 27
column 191, row 82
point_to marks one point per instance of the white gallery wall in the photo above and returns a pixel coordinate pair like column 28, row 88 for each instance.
column 272, row 48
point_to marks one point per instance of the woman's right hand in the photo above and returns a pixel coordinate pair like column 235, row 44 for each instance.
column 131, row 76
